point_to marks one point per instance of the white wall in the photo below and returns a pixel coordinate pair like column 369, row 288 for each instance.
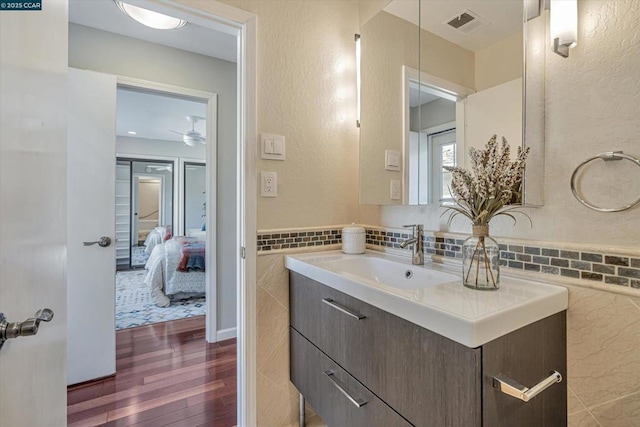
column 123, row 56
column 494, row 111
column 432, row 114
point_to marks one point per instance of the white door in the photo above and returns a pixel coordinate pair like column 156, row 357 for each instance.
column 33, row 139
column 91, row 215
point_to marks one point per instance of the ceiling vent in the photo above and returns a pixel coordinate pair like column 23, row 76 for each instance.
column 466, row 22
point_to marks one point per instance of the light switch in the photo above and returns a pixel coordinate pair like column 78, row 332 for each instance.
column 278, row 147
column 273, row 146
column 268, row 146
column 392, row 160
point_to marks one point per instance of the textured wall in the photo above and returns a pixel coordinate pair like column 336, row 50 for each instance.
column 306, row 92
column 593, row 105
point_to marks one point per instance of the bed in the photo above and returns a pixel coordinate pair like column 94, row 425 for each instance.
column 155, row 237
column 176, row 270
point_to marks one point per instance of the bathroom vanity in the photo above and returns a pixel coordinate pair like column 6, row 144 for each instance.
column 371, row 346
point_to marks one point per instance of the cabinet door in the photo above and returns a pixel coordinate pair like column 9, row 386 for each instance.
column 335, row 395
column 429, row 379
column 527, row 356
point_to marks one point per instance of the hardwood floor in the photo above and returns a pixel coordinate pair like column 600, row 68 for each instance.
column 167, row 375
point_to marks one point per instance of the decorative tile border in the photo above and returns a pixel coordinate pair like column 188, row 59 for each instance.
column 290, row 239
column 595, row 267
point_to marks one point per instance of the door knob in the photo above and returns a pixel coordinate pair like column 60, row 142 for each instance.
column 23, row 329
column 103, row 242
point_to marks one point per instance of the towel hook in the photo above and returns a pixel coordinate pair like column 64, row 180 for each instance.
column 606, row 156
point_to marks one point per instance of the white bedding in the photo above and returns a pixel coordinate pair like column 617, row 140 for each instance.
column 155, row 237
column 165, row 281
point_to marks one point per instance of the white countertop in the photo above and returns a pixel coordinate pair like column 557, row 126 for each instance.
column 467, row 316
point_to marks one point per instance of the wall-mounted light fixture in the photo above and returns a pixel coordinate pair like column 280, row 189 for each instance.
column 150, row 18
column 563, row 25
column 358, row 52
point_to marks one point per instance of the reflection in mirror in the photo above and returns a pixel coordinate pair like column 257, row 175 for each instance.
column 475, row 47
column 435, row 109
column 144, row 201
column 195, row 206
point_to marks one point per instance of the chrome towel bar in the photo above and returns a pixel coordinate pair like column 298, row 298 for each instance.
column 606, row 156
column 517, row 390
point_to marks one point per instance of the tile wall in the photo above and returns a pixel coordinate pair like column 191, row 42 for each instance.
column 603, row 324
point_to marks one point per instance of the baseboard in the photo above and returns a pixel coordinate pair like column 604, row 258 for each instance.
column 225, row 334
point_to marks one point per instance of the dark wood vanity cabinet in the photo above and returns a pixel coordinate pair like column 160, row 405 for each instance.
column 345, row 351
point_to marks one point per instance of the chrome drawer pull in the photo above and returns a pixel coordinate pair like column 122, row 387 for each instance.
column 332, row 303
column 358, row 402
column 517, row 390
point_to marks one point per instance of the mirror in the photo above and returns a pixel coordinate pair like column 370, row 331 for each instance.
column 144, row 201
column 439, row 77
column 195, row 192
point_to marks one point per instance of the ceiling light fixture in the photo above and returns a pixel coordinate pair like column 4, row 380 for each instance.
column 132, row 132
column 149, row 18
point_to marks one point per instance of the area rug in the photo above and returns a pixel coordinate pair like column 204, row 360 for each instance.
column 134, row 306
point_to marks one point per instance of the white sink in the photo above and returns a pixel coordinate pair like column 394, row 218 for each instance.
column 390, row 273
column 433, row 296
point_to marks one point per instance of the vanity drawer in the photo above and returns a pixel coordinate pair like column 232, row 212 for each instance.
column 335, row 394
column 403, row 364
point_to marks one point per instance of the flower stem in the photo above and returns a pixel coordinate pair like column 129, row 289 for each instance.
column 488, row 266
column 473, row 257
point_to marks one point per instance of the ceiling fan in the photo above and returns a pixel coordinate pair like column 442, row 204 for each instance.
column 158, row 168
column 192, row 136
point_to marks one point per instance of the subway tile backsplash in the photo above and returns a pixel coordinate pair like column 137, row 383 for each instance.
column 587, row 265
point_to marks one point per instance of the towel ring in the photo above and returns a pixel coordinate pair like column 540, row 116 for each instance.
column 606, row 156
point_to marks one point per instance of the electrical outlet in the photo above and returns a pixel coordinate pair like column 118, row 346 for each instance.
column 395, row 189
column 269, row 184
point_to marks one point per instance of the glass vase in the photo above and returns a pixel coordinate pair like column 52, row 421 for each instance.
column 481, row 260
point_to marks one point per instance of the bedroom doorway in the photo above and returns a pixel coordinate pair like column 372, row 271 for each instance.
column 161, row 200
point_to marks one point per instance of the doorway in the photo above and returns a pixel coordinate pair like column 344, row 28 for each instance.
column 163, row 144
column 194, row 131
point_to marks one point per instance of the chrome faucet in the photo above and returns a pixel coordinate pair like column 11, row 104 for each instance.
column 416, row 241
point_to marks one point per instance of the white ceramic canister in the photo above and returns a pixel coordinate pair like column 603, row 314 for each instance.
column 353, row 239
